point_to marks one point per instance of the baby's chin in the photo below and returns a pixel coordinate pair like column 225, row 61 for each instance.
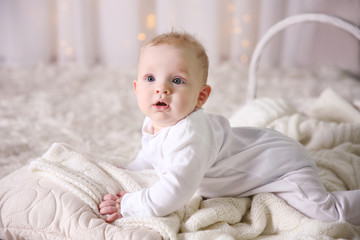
column 157, row 126
column 164, row 122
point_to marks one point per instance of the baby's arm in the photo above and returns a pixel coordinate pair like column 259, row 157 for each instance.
column 140, row 163
column 179, row 177
column 111, row 205
column 187, row 151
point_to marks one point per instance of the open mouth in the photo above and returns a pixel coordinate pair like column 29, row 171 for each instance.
column 161, row 104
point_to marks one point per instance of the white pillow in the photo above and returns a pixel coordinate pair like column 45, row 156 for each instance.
column 33, row 207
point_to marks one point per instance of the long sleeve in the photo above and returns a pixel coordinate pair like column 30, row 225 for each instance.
column 139, row 163
column 176, row 186
column 185, row 156
column 203, row 153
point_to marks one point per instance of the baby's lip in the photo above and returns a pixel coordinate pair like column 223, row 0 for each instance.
column 161, row 105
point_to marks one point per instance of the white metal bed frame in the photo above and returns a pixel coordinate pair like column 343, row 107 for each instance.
column 281, row 25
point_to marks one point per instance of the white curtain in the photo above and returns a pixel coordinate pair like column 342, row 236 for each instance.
column 111, row 32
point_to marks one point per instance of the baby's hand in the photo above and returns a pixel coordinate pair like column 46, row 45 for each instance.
column 111, row 205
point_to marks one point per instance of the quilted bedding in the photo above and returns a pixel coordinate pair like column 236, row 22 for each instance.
column 52, row 200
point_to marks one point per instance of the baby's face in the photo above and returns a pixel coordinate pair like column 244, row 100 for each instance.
column 169, row 84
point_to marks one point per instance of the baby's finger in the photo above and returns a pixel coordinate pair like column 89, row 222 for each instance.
column 108, row 210
column 121, row 194
column 113, row 217
column 110, row 197
column 107, row 203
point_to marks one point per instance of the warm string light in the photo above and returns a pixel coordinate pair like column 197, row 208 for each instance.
column 68, row 50
column 246, row 18
column 65, row 46
column 239, row 28
column 150, row 21
column 231, row 7
column 244, row 58
column 245, row 43
column 141, row 37
column 150, row 24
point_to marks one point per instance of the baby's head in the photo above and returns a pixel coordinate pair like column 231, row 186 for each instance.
column 172, row 76
column 185, row 40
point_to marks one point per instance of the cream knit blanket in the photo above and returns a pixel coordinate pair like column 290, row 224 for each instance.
column 334, row 145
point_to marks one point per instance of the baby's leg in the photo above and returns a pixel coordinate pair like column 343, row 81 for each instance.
column 309, row 196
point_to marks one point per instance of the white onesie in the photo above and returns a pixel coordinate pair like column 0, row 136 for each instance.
column 203, row 153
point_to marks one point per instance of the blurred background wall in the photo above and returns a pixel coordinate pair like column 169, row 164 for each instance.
column 111, row 32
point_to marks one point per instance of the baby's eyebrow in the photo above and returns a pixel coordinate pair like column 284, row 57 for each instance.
column 183, row 71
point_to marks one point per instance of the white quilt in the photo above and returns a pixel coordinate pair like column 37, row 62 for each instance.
column 332, row 135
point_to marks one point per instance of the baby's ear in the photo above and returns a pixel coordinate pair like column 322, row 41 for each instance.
column 134, row 83
column 203, row 96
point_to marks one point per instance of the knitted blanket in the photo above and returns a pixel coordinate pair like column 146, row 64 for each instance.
column 335, row 146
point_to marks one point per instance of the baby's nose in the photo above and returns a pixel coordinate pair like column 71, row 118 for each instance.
column 162, row 89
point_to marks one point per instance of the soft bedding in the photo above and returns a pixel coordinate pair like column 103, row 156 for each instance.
column 94, row 108
column 56, row 196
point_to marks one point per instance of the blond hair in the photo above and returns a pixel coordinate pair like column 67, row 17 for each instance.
column 183, row 39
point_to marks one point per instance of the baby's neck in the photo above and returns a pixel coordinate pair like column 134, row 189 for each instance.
column 156, row 129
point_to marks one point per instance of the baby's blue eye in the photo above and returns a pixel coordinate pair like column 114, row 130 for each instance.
column 150, row 78
column 178, row 81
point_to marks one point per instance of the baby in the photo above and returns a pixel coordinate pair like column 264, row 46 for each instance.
column 192, row 151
